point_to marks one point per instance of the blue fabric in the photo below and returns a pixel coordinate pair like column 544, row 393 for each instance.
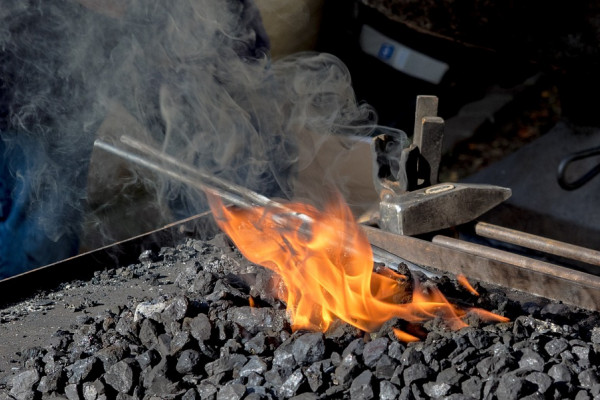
column 24, row 241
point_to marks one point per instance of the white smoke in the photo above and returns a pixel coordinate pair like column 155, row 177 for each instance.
column 191, row 77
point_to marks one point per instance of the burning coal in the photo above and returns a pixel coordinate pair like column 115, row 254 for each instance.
column 327, row 268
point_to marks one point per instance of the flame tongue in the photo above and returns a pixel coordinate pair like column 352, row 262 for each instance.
column 327, row 269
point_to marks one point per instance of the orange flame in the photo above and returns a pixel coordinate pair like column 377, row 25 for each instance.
column 327, row 268
column 462, row 280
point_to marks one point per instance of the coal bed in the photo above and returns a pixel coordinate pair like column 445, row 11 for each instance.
column 199, row 321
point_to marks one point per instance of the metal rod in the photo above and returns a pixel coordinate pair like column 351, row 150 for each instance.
column 551, row 281
column 507, row 257
column 539, row 243
column 235, row 194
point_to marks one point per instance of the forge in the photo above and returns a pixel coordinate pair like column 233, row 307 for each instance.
column 333, row 263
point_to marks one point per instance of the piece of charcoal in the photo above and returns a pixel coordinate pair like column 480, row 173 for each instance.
column 204, row 283
column 472, row 387
column 436, row 389
column 149, row 358
column 188, row 361
column 199, row 327
column 560, row 373
column 355, row 347
column 273, row 378
column 51, row 382
column 256, row 345
column 254, row 365
column 512, row 387
column 87, row 368
column 149, row 331
column 388, row 391
column 308, row 348
column 416, row 373
column 254, row 319
column 588, row 378
column 227, row 363
column 72, row 392
column 450, row 376
column 305, row 396
column 111, row 354
column 582, row 395
column 362, row 386
column 479, row 339
column 411, row 356
column 175, row 309
column 231, row 391
column 556, row 346
column 395, row 350
column 122, row 376
column 206, row 390
column 314, row 375
column 373, row 351
column 254, row 379
column 283, row 357
column 385, row 367
column 531, row 360
column 583, row 355
column 541, row 380
column 93, row 390
column 292, row 383
column 344, row 372
column 23, row 384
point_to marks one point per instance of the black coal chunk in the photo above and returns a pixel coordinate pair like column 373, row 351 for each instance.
column 374, row 350
column 23, row 384
column 188, row 361
column 308, row 348
column 122, row 376
column 362, row 386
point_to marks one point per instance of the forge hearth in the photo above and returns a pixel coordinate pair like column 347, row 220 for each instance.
column 179, row 324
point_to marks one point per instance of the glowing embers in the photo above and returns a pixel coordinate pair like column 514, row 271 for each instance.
column 326, row 265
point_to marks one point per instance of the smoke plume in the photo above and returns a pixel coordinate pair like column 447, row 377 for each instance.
column 193, row 78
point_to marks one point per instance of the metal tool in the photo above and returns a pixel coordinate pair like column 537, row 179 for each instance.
column 409, row 205
column 235, row 194
column 569, row 161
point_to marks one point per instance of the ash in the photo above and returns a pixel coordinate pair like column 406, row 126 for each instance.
column 193, row 335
